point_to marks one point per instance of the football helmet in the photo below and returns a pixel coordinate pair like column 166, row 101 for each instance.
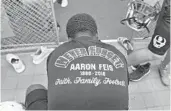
column 140, row 14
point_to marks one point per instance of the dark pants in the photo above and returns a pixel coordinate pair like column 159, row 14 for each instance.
column 36, row 99
column 160, row 41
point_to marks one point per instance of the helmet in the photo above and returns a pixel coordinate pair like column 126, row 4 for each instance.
column 140, row 15
column 11, row 106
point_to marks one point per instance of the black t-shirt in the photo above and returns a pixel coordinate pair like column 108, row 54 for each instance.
column 84, row 74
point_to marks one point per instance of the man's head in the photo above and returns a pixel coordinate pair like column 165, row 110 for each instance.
column 81, row 25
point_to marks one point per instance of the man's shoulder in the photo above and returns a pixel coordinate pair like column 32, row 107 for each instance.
column 64, row 44
column 109, row 46
column 115, row 47
column 63, row 47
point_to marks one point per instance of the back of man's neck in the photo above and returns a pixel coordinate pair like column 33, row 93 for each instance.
column 82, row 34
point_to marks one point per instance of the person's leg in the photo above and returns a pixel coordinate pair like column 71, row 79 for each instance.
column 164, row 75
column 166, row 60
column 36, row 98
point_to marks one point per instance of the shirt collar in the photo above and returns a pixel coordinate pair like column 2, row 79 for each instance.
column 86, row 38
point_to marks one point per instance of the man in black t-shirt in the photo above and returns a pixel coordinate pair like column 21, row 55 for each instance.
column 83, row 73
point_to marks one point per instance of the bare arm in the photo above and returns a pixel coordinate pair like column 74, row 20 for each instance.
column 141, row 56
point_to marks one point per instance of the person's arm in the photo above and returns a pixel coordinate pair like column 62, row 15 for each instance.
column 124, row 52
column 48, row 58
column 141, row 56
column 121, row 49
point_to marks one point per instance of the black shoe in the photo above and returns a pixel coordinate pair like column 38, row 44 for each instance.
column 140, row 72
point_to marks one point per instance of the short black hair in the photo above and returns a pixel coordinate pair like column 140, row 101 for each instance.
column 80, row 23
